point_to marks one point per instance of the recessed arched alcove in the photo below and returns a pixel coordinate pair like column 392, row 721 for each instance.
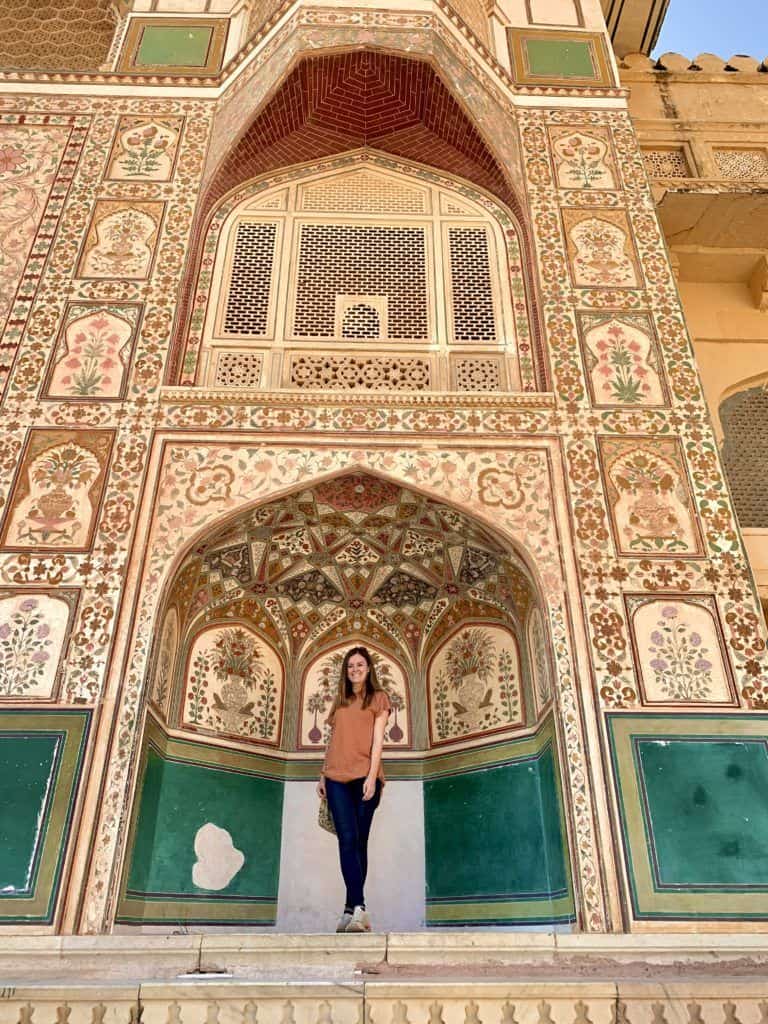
column 246, row 657
column 336, row 103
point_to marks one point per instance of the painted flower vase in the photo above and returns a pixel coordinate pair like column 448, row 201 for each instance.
column 234, row 696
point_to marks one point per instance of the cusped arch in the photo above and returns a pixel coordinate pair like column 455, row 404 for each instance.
column 351, row 556
column 487, row 519
column 306, row 536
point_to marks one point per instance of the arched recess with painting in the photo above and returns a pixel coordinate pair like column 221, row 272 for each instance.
column 250, row 633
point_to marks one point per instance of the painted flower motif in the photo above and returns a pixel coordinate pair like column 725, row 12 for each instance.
column 210, row 483
column 620, row 363
column 11, row 159
column 25, row 651
column 679, row 663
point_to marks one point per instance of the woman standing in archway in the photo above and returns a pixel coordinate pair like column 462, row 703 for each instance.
column 352, row 775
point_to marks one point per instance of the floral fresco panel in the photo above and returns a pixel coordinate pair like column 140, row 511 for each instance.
column 320, row 686
column 121, row 240
column 538, row 646
column 649, row 497
column 474, row 684
column 58, row 490
column 681, row 656
column 622, row 361
column 234, row 684
column 166, row 661
column 93, row 353
column 583, row 158
column 145, row 149
column 29, row 161
column 600, row 248
column 34, row 633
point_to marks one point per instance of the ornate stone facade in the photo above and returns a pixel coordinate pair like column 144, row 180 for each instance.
column 511, row 491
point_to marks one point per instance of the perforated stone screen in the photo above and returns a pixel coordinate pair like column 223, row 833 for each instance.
column 666, row 163
column 744, row 417
column 247, row 307
column 742, row 164
column 397, row 279
column 473, row 314
column 361, row 259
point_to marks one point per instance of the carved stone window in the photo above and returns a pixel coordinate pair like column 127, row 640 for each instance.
column 667, row 162
column 744, row 416
column 742, row 164
column 361, row 276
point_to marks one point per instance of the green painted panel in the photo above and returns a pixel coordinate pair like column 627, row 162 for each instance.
column 560, row 58
column 29, row 765
column 174, row 46
column 705, row 805
column 41, row 756
column 495, row 836
column 178, row 798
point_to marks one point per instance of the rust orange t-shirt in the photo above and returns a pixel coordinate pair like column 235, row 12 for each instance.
column 349, row 750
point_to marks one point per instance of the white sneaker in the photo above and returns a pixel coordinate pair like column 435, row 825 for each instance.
column 360, row 921
column 343, row 921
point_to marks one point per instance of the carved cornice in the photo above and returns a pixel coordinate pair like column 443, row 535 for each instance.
column 190, row 397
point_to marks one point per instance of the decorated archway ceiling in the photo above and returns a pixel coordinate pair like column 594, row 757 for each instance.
column 344, row 101
column 356, row 555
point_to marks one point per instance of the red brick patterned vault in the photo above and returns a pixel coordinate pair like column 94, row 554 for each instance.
column 343, row 101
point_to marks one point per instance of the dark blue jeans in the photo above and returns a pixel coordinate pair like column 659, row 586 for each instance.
column 352, row 817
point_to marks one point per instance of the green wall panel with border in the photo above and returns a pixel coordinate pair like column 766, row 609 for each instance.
column 565, row 59
column 228, row 874
column 495, row 837
column 174, row 45
column 693, row 799
column 41, row 755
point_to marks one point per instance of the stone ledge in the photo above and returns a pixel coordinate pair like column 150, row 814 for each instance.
column 401, row 959
column 193, row 396
column 222, row 1001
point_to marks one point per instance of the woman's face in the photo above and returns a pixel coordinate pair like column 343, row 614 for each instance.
column 357, row 670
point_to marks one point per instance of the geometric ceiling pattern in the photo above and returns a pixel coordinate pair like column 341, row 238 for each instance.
column 332, row 104
column 55, row 35
column 353, row 556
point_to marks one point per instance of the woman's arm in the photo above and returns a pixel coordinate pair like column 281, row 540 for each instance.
column 379, row 725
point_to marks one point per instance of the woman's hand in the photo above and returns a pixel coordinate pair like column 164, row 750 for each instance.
column 321, row 787
column 369, row 787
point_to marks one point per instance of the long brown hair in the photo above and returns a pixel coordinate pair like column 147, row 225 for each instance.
column 345, row 693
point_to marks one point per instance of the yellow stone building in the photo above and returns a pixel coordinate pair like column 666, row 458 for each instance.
column 437, row 327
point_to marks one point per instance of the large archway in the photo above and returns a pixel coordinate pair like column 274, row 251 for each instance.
column 251, row 631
